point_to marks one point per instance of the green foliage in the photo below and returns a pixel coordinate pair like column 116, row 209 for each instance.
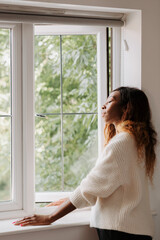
column 5, row 160
column 79, row 73
column 4, row 71
column 47, row 74
column 79, row 131
column 5, row 123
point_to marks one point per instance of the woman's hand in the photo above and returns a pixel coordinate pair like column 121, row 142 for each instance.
column 57, row 203
column 34, row 220
column 60, row 212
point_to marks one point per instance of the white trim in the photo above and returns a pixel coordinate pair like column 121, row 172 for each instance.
column 116, row 63
column 50, row 196
column 17, row 118
column 28, row 117
column 67, row 29
column 102, row 83
column 16, row 202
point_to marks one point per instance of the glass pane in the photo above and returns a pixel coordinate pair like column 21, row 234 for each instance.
column 47, row 74
column 79, row 54
column 5, row 159
column 5, row 70
column 80, row 148
column 48, row 154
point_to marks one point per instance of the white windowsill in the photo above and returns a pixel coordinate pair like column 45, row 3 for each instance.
column 76, row 218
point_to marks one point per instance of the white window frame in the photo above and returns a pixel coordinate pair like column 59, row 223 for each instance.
column 101, row 80
column 16, row 119
column 23, row 123
column 116, row 54
column 24, row 164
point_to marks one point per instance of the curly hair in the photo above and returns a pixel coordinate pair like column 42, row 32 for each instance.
column 136, row 120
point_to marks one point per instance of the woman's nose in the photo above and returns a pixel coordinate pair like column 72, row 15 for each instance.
column 104, row 107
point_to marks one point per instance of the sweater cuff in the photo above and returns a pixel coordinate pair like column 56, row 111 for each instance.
column 77, row 199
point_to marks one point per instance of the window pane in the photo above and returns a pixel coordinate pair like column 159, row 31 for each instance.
column 80, row 148
column 47, row 74
column 48, row 154
column 79, row 53
column 5, row 71
column 5, row 159
column 78, row 62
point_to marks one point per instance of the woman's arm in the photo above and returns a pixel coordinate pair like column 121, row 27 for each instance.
column 34, row 220
column 62, row 210
column 57, row 203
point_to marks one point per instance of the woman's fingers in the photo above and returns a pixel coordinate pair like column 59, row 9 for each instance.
column 25, row 220
column 34, row 220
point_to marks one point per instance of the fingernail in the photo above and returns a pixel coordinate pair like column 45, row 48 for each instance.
column 21, row 225
column 13, row 222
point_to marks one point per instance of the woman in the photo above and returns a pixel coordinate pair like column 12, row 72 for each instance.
column 117, row 187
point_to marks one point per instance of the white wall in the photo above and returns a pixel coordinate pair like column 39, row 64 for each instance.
column 131, row 54
column 148, row 59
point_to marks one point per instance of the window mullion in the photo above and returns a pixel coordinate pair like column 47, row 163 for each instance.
column 28, row 118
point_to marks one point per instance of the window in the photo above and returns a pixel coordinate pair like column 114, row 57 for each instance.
column 66, row 105
column 51, row 123
column 66, row 108
column 10, row 118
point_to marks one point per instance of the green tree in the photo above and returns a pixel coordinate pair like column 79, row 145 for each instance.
column 5, row 123
column 79, row 76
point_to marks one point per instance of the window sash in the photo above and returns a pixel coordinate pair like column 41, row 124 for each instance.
column 101, row 79
column 16, row 118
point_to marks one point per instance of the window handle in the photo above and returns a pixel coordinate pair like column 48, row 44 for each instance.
column 40, row 115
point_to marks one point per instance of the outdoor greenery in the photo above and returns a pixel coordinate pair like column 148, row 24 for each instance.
column 60, row 166
column 5, row 122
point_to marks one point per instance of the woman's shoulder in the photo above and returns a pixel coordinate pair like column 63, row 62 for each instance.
column 122, row 141
column 120, row 147
column 122, row 137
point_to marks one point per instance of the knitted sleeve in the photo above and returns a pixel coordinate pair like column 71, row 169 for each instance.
column 103, row 179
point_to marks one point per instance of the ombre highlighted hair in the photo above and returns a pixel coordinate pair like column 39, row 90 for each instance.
column 136, row 120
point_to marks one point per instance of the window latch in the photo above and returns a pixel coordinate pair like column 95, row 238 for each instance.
column 40, row 115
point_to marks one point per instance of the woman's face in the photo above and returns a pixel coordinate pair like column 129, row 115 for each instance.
column 112, row 110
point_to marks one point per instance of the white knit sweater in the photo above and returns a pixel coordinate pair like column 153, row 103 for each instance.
column 117, row 187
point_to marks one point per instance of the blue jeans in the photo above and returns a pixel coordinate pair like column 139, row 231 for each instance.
column 104, row 234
